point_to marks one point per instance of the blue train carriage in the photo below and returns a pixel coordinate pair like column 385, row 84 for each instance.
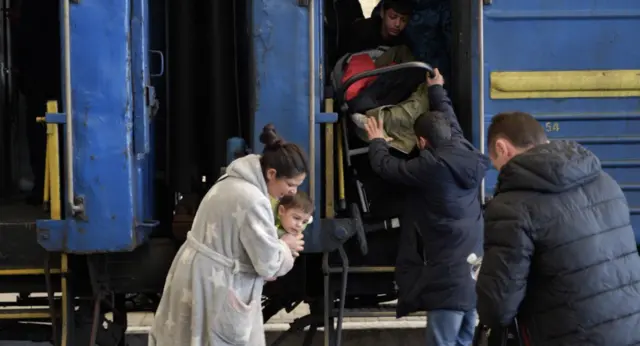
column 163, row 94
column 98, row 236
column 571, row 65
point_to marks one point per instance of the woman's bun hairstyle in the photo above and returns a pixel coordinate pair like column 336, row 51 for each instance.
column 270, row 138
column 288, row 159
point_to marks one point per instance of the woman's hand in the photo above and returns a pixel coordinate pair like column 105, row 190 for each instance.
column 295, row 243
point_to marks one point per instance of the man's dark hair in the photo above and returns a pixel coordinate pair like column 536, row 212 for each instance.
column 521, row 129
column 434, row 127
column 404, row 7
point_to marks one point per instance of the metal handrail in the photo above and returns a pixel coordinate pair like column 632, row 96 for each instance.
column 312, row 100
column 379, row 71
column 74, row 208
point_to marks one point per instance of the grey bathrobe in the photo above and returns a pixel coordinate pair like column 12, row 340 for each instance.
column 212, row 294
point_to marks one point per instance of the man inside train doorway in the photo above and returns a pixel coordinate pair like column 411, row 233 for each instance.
column 387, row 29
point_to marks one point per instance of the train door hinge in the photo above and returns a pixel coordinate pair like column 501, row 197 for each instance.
column 150, row 100
column 4, row 69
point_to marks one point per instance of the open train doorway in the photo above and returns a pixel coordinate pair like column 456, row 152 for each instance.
column 30, row 76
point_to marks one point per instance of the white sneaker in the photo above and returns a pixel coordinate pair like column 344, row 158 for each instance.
column 359, row 119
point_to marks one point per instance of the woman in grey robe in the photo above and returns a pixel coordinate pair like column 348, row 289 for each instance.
column 212, row 294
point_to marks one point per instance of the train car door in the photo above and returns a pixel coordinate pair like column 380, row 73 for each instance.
column 576, row 67
column 112, row 105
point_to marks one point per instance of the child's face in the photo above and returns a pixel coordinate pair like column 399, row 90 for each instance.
column 293, row 220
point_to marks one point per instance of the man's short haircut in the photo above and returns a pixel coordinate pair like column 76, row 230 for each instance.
column 404, row 7
column 434, row 127
column 521, row 129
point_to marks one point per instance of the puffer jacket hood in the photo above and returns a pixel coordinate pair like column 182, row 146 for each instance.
column 553, row 167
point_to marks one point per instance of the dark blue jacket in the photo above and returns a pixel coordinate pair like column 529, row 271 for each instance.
column 560, row 251
column 442, row 220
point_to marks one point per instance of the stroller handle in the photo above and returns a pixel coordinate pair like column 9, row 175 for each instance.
column 383, row 70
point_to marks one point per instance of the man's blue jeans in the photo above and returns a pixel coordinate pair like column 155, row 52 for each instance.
column 450, row 328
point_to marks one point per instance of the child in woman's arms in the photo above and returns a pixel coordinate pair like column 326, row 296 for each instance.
column 293, row 213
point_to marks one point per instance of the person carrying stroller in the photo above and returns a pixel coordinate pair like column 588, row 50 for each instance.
column 441, row 225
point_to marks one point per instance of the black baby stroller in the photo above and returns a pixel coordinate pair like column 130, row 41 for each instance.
column 379, row 202
column 358, row 277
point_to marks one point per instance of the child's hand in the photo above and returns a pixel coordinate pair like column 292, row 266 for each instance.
column 437, row 78
column 270, row 279
column 295, row 243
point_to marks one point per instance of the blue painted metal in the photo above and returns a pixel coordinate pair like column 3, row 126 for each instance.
column 281, row 56
column 144, row 101
column 112, row 119
column 140, row 77
column 541, row 35
column 323, row 118
column 476, row 59
column 112, row 99
column 55, row 118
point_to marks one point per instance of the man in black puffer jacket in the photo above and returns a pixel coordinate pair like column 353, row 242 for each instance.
column 560, row 253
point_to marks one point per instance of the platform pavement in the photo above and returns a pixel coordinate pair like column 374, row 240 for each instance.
column 140, row 322
column 387, row 331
